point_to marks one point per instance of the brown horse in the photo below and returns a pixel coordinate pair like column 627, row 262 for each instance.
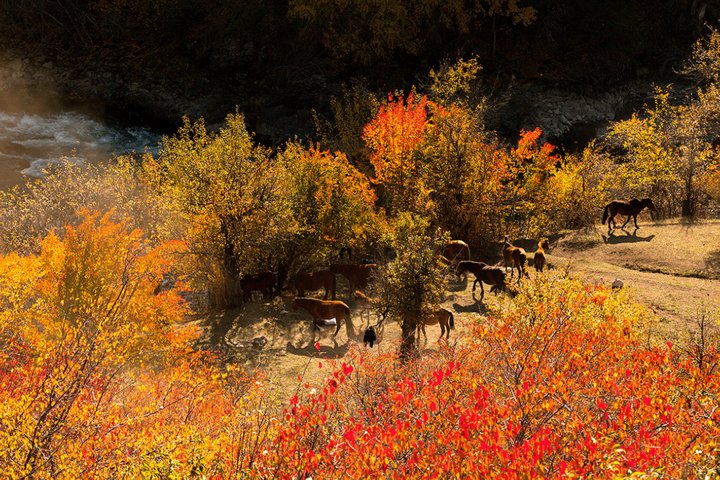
column 323, row 310
column 631, row 209
column 539, row 259
column 494, row 276
column 263, row 282
column 440, row 315
column 313, row 281
column 514, row 257
column 456, row 251
column 358, row 275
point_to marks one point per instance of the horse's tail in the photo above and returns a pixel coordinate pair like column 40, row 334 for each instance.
column 605, row 213
column 452, row 320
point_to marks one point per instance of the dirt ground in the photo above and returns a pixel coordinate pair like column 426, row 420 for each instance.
column 672, row 266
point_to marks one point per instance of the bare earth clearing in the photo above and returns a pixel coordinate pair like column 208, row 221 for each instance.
column 671, row 266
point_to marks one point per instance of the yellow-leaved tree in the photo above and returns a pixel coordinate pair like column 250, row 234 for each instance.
column 229, row 195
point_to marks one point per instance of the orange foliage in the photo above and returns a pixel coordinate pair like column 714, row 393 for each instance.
column 393, row 137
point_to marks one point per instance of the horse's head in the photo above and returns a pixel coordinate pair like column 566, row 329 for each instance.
column 544, row 244
column 647, row 202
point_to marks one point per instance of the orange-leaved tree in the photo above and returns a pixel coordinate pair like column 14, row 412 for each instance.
column 394, row 136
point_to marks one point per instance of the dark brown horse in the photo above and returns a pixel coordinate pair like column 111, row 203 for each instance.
column 494, row 276
column 514, row 257
column 358, row 275
column 323, row 310
column 262, row 282
column 456, row 251
column 313, row 281
column 440, row 315
column 539, row 258
column 631, row 209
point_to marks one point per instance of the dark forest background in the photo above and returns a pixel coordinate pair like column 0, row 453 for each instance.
column 150, row 61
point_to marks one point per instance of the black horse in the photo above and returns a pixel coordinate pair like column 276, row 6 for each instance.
column 631, row 209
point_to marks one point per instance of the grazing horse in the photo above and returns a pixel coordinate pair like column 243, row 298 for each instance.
column 358, row 275
column 494, row 276
column 323, row 310
column 440, row 315
column 514, row 257
column 631, row 209
column 456, row 251
column 539, row 259
column 263, row 282
column 313, row 281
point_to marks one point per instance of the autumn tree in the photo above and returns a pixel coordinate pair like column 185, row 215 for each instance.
column 332, row 204
column 413, row 283
column 394, row 136
column 369, row 32
column 58, row 199
column 229, row 193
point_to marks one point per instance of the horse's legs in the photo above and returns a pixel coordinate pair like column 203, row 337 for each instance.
column 482, row 291
column 635, row 218
column 337, row 329
column 475, row 284
column 626, row 221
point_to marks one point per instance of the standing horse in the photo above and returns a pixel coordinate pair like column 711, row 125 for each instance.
column 263, row 282
column 515, row 257
column 631, row 209
column 456, row 251
column 494, row 276
column 358, row 275
column 440, row 315
column 323, row 310
column 313, row 281
column 539, row 258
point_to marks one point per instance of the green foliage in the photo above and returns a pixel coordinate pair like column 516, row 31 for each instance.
column 414, row 282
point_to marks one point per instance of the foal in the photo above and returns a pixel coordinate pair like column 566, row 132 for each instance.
column 515, row 257
column 539, row 259
column 440, row 315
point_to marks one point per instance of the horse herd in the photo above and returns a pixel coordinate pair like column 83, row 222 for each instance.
column 456, row 255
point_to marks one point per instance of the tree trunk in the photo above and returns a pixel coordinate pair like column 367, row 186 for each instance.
column 231, row 270
column 408, row 347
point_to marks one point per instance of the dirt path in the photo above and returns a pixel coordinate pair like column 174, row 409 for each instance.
column 673, row 267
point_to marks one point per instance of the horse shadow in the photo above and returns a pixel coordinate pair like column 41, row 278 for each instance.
column 477, row 307
column 325, row 351
column 612, row 239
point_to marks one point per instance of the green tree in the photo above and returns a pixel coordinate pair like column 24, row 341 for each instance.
column 414, row 282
